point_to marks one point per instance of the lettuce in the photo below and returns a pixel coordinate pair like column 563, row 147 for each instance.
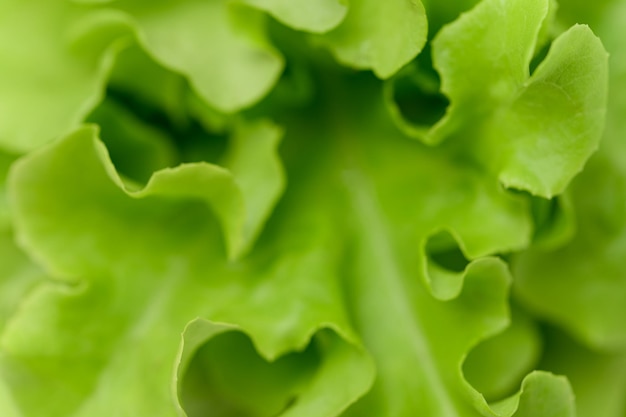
column 333, row 208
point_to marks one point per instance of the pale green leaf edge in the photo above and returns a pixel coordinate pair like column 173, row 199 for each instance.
column 541, row 394
column 210, row 183
column 199, row 331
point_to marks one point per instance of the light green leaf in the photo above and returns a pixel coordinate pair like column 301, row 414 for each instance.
column 231, row 377
column 496, row 366
column 55, row 58
column 483, row 66
column 145, row 263
column 611, row 30
column 582, row 285
column 18, row 274
column 555, row 124
column 541, row 392
column 381, row 36
column 105, row 184
column 92, row 1
column 7, row 405
column 414, row 95
column 555, row 221
column 254, row 163
column 539, row 128
column 240, row 206
column 348, row 253
column 219, row 46
column 320, row 16
column 598, row 379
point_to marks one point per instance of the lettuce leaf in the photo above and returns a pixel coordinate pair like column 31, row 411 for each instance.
column 492, row 95
column 317, row 17
column 218, row 45
column 186, row 261
column 585, row 368
column 382, row 36
column 55, row 57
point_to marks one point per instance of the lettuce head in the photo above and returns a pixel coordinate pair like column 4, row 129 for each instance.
column 260, row 208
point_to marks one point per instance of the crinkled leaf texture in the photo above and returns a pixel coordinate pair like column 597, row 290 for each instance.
column 540, row 128
column 339, row 262
column 369, row 285
column 218, row 46
column 498, row 363
column 121, row 320
column 581, row 284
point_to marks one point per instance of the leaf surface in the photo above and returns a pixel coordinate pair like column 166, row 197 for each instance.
column 581, row 284
column 40, row 102
column 219, row 46
column 540, row 128
column 121, row 320
column 381, row 36
column 320, row 16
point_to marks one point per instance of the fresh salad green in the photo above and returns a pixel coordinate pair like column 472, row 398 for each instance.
column 260, row 208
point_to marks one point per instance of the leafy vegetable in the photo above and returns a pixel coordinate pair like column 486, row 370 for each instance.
column 285, row 208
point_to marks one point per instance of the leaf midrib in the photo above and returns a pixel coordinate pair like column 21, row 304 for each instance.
column 371, row 218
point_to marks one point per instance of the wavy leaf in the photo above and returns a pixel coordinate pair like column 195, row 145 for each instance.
column 496, row 366
column 240, row 205
column 233, row 379
column 134, row 308
column 318, row 17
column 558, row 119
column 368, row 285
column 52, row 77
column 381, row 36
column 219, row 46
column 541, row 392
column 552, row 118
column 581, row 284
